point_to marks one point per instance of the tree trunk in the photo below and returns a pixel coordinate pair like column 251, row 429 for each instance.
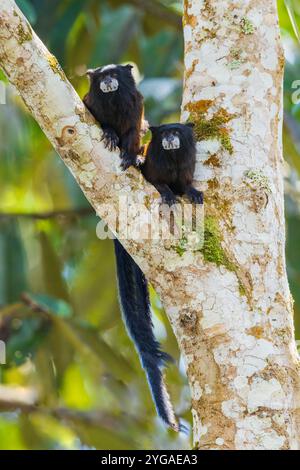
column 228, row 302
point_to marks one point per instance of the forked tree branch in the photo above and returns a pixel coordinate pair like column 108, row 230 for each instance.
column 229, row 302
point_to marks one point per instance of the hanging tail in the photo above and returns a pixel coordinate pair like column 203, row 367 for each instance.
column 135, row 305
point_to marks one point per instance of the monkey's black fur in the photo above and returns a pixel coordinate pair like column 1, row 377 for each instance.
column 119, row 112
column 171, row 171
column 134, row 299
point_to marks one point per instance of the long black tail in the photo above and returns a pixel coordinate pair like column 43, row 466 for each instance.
column 134, row 300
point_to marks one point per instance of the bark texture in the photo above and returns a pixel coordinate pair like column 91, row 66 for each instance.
column 228, row 302
column 248, row 393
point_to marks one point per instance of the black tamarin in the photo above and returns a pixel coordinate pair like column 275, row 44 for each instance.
column 170, row 162
column 116, row 103
column 118, row 106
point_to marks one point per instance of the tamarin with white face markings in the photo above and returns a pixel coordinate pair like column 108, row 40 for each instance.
column 170, row 162
column 117, row 105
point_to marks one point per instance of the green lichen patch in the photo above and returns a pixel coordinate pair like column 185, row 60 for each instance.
column 258, row 179
column 147, row 202
column 235, row 64
column 211, row 128
column 191, row 240
column 24, row 33
column 242, row 289
column 236, row 58
column 55, row 66
column 247, row 26
column 181, row 247
column 236, row 53
column 212, row 249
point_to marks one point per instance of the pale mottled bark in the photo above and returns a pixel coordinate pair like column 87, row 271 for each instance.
column 229, row 304
column 247, row 396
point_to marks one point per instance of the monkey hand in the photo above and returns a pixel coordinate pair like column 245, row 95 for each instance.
column 110, row 139
column 169, row 198
column 195, row 196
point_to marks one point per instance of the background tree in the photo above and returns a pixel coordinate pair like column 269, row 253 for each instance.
column 48, row 245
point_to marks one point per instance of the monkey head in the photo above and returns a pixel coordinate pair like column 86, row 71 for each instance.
column 173, row 136
column 110, row 78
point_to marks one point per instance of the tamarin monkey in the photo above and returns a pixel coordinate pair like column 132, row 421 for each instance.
column 170, row 162
column 117, row 105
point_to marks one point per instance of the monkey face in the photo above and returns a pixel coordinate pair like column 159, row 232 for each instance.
column 170, row 140
column 109, row 84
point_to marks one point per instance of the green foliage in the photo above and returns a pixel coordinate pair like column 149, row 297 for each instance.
column 66, row 343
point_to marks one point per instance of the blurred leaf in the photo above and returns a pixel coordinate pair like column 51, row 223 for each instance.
column 293, row 258
column 26, row 335
column 62, row 352
column 112, row 360
column 13, row 279
column 10, row 435
column 32, row 437
column 73, row 391
column 47, row 382
column 290, row 152
column 69, row 13
column 56, row 285
column 118, row 28
column 102, row 438
column 56, row 306
column 290, row 8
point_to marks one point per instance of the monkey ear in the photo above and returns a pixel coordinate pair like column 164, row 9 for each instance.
column 190, row 124
column 129, row 66
column 90, row 72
